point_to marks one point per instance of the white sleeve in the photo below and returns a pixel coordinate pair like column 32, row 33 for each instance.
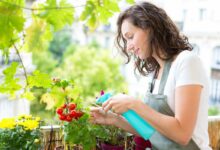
column 190, row 70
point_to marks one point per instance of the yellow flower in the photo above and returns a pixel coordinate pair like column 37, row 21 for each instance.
column 37, row 119
column 30, row 124
column 21, row 117
column 28, row 116
column 7, row 123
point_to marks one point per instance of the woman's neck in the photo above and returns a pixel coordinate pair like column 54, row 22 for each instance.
column 159, row 60
column 161, row 64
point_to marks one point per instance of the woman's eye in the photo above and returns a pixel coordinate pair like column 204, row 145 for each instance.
column 130, row 37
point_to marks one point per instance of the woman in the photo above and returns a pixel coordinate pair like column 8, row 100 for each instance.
column 176, row 103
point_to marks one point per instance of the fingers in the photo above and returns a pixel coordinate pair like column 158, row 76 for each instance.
column 106, row 106
column 106, row 102
column 95, row 109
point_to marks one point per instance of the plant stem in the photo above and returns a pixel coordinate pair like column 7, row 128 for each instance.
column 24, row 69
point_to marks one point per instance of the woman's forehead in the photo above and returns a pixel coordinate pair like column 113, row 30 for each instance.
column 127, row 27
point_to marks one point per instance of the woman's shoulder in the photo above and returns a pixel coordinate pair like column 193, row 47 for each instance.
column 187, row 57
column 188, row 68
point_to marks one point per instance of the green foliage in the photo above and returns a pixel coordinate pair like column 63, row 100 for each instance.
column 78, row 130
column 18, row 139
column 38, row 35
column 96, row 12
column 93, row 70
column 44, row 61
column 46, row 18
column 60, row 92
column 59, row 17
column 10, row 84
column 46, row 21
column 214, row 111
column 116, row 136
column 60, row 42
column 20, row 133
column 38, row 79
column 130, row 1
column 28, row 95
column 82, row 132
column 11, row 22
column 38, row 108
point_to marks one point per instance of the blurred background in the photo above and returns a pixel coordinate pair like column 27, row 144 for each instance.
column 92, row 60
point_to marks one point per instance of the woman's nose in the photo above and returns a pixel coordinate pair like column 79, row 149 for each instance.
column 130, row 47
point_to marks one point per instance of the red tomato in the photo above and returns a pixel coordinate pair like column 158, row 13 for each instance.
column 79, row 114
column 69, row 118
column 59, row 111
column 62, row 117
column 73, row 114
column 72, row 106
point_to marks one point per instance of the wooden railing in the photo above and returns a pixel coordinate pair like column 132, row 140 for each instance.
column 214, row 132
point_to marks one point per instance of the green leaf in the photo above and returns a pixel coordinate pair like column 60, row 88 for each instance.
column 39, row 79
column 111, row 5
column 10, row 84
column 89, row 8
column 38, row 36
column 92, row 21
column 105, row 14
column 10, row 71
column 49, row 100
column 130, row 1
column 95, row 13
column 11, row 22
column 28, row 95
column 57, row 18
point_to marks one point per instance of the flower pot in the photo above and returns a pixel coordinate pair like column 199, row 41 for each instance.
column 52, row 137
column 141, row 144
column 105, row 146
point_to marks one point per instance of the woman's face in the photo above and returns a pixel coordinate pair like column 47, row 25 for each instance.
column 137, row 39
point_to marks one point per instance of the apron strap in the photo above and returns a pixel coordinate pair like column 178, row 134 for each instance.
column 164, row 77
column 163, row 80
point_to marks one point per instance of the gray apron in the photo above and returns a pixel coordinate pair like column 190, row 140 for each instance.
column 159, row 103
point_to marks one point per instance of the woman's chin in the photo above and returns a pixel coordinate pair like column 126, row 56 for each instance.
column 141, row 57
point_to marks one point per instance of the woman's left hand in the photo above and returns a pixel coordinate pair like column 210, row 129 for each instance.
column 119, row 103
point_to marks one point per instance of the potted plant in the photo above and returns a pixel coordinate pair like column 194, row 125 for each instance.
column 73, row 114
column 77, row 129
column 22, row 132
column 116, row 139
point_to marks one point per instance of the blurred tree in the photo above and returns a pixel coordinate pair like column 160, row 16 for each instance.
column 44, row 61
column 93, row 70
column 61, row 40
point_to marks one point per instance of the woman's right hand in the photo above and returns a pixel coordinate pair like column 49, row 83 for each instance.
column 99, row 116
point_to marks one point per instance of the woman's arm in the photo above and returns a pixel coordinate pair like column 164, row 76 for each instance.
column 120, row 122
column 180, row 127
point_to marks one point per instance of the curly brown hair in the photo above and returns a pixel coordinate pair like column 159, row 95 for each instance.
column 164, row 36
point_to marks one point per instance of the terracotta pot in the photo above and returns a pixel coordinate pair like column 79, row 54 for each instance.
column 105, row 146
column 141, row 144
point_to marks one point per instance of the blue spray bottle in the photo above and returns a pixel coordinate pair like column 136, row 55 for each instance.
column 139, row 124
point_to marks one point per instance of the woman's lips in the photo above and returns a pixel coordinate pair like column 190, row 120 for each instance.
column 136, row 51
